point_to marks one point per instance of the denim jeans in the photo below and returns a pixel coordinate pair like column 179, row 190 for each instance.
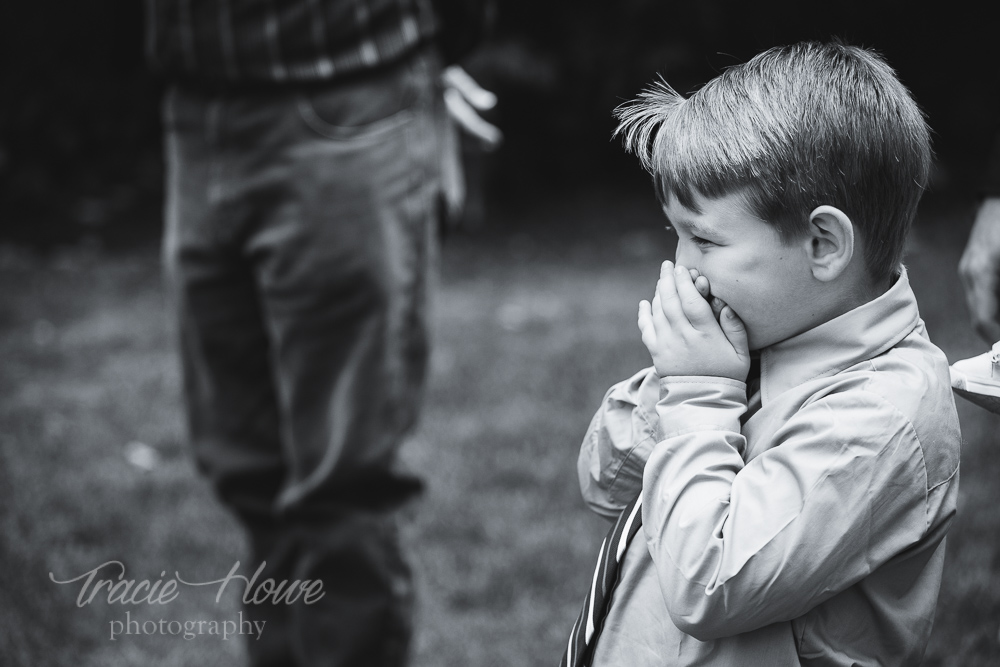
column 299, row 235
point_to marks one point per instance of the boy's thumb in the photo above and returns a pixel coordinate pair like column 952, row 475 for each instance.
column 734, row 329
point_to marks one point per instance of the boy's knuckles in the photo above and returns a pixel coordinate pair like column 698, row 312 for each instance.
column 668, row 296
column 694, row 299
column 695, row 306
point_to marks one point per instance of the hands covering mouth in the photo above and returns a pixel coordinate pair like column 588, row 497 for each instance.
column 688, row 331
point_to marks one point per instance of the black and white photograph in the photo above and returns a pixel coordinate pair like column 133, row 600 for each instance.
column 495, row 333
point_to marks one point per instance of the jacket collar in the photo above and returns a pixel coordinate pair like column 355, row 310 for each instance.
column 858, row 335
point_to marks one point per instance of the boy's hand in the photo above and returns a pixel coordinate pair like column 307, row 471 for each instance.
column 704, row 289
column 681, row 332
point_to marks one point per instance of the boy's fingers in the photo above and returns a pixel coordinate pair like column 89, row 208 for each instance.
column 735, row 331
column 696, row 309
column 646, row 324
column 701, row 284
column 656, row 316
column 666, row 290
column 717, row 305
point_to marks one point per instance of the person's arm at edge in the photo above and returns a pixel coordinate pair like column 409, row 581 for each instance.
column 979, row 269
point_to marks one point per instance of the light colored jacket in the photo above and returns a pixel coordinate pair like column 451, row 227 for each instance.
column 802, row 526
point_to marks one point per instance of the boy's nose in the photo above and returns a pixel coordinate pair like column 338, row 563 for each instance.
column 684, row 257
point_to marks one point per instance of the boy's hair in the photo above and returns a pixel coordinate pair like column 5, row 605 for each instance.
column 794, row 128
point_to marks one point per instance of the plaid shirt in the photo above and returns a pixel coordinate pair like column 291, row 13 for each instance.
column 281, row 40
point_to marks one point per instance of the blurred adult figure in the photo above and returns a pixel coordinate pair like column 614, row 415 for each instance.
column 980, row 269
column 308, row 152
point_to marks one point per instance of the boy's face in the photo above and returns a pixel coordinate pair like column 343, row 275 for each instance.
column 767, row 282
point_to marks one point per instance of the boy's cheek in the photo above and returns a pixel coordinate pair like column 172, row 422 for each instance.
column 720, row 290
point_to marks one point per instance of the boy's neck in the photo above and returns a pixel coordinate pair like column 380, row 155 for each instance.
column 854, row 288
column 864, row 290
column 856, row 291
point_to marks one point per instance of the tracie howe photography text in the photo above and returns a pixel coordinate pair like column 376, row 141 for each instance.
column 108, row 583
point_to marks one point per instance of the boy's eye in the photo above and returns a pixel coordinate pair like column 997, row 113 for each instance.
column 697, row 240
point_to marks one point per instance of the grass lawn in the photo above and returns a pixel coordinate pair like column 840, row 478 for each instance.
column 535, row 318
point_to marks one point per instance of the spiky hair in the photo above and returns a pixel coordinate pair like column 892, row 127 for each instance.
column 794, row 128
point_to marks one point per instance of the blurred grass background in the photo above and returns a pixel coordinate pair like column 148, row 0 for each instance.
column 534, row 319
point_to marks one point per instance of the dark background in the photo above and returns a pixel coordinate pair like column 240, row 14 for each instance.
column 80, row 155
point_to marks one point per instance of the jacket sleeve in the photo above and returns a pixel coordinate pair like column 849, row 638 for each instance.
column 841, row 490
column 620, row 438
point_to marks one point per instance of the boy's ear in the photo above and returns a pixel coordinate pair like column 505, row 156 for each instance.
column 830, row 242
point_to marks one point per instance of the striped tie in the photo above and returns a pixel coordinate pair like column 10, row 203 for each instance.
column 595, row 607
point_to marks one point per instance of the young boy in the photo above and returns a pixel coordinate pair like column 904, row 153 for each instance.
column 792, row 455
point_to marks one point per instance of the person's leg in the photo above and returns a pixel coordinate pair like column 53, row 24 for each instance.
column 314, row 214
column 342, row 265
column 229, row 391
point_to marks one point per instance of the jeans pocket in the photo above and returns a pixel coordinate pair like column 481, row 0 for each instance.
column 367, row 105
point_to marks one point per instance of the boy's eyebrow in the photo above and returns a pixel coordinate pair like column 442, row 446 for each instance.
column 690, row 226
